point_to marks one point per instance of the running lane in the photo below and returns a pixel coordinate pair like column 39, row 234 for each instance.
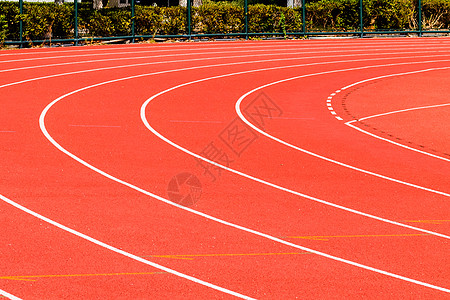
column 102, row 126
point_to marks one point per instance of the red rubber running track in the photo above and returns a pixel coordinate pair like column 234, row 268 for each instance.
column 319, row 170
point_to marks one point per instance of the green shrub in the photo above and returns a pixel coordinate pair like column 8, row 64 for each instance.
column 160, row 20
column 10, row 10
column 389, row 14
column 3, row 29
column 45, row 21
column 333, row 15
column 218, row 17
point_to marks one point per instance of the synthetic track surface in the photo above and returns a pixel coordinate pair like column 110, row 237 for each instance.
column 324, row 170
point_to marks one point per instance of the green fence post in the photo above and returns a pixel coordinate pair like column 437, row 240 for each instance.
column 304, row 17
column 361, row 23
column 21, row 23
column 75, row 25
column 132, row 20
column 420, row 18
column 189, row 18
column 246, row 18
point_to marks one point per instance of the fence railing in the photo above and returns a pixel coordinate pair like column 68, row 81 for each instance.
column 79, row 23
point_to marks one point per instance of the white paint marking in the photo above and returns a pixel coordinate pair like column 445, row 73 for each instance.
column 127, row 184
column 397, row 111
column 339, row 48
column 9, row 296
column 144, row 119
column 404, row 110
column 395, row 143
column 119, row 251
column 58, row 146
column 241, row 115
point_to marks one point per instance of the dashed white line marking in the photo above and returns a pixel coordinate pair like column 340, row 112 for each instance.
column 330, row 105
column 349, row 123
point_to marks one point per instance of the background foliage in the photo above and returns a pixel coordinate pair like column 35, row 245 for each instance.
column 46, row 21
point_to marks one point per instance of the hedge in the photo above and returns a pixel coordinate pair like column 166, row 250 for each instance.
column 45, row 21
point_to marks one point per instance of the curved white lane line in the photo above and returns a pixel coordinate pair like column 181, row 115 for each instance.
column 393, row 142
column 236, row 56
column 200, row 157
column 242, row 117
column 167, row 201
column 245, row 229
column 148, row 50
column 258, row 44
column 268, row 48
column 8, row 295
column 216, row 65
column 145, row 121
column 119, row 251
column 349, row 123
column 403, row 110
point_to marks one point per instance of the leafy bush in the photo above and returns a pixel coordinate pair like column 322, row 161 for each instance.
column 160, row 20
column 10, row 11
column 49, row 21
column 389, row 14
column 3, row 29
column 333, row 15
column 46, row 21
column 219, row 17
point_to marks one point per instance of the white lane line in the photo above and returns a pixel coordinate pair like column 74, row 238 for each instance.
column 9, row 296
column 59, row 147
column 245, row 49
column 260, row 44
column 138, row 258
column 180, row 47
column 446, row 53
column 223, row 64
column 232, row 170
column 145, row 121
column 349, row 123
column 404, row 110
column 241, row 115
column 395, row 143
column 119, row 251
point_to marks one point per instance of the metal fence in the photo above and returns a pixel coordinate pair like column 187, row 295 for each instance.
column 360, row 26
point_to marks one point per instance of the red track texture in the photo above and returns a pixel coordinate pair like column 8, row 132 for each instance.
column 324, row 169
